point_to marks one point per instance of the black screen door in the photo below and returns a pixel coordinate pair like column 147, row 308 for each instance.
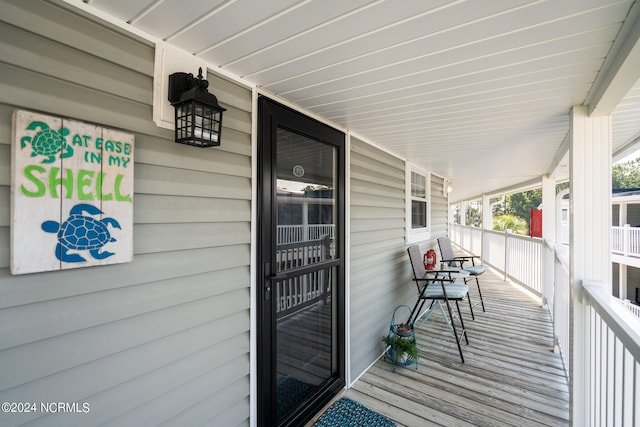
column 301, row 283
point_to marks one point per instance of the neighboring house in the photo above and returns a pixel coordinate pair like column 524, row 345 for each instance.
column 626, row 244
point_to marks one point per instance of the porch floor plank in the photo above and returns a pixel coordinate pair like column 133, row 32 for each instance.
column 510, row 376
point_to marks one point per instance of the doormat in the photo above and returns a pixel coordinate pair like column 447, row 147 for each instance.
column 289, row 393
column 348, row 413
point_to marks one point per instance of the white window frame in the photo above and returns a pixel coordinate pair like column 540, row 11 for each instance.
column 414, row 235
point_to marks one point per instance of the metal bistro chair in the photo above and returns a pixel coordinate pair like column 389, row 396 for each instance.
column 458, row 261
column 438, row 287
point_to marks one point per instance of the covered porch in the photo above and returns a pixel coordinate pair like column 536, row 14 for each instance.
column 511, row 376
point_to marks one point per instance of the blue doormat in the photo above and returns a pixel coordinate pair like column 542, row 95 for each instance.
column 347, row 413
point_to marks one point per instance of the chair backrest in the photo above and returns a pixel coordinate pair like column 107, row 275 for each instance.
column 416, row 262
column 445, row 248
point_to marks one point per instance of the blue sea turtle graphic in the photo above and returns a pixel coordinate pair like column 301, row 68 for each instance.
column 82, row 233
column 47, row 142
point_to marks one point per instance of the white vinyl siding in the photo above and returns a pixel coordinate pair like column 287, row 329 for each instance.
column 165, row 338
column 379, row 265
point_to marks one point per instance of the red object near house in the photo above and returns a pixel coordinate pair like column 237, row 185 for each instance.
column 429, row 260
column 535, row 228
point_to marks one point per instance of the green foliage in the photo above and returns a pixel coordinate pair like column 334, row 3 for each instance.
column 474, row 214
column 562, row 186
column 520, row 205
column 626, row 175
column 510, row 222
column 401, row 345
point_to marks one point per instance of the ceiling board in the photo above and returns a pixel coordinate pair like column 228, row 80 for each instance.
column 476, row 91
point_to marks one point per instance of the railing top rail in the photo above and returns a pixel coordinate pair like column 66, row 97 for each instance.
column 514, row 235
column 624, row 324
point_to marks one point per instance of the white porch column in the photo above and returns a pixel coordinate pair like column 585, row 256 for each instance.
column 487, row 214
column 590, row 219
column 463, row 213
column 548, row 235
column 487, row 222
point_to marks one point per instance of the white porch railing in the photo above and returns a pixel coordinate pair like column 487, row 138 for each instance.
column 625, row 240
column 301, row 233
column 635, row 309
column 611, row 363
column 518, row 257
column 605, row 355
column 560, row 303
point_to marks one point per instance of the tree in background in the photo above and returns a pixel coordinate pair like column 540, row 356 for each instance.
column 474, row 214
column 626, row 175
column 510, row 222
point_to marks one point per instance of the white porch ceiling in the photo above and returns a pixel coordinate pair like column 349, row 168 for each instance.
column 477, row 91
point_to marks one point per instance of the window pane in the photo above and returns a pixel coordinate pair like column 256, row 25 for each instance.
column 418, row 214
column 418, row 185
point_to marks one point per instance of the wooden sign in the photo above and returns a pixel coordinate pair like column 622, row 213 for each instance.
column 71, row 194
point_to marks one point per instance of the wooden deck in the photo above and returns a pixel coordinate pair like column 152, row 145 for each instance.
column 510, row 377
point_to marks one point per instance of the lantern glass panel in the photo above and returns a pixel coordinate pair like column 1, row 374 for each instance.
column 198, row 124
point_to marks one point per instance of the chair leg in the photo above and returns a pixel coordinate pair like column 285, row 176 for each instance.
column 414, row 314
column 480, row 293
column 473, row 317
column 464, row 330
column 455, row 333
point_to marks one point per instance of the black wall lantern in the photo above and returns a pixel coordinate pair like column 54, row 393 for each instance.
column 198, row 116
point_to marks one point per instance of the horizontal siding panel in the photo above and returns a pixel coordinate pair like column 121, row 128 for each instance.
column 234, row 119
column 367, row 150
column 46, row 357
column 364, row 238
column 27, row 289
column 381, row 168
column 370, row 275
column 234, row 95
column 151, row 209
column 368, row 199
column 165, row 152
column 25, row 88
column 53, row 22
column 27, row 50
column 375, row 212
column 368, row 258
column 152, row 179
column 131, row 379
column 365, row 225
column 362, row 254
column 99, row 308
column 234, row 415
column 376, row 177
column 230, row 377
column 153, row 238
column 5, row 165
column 5, row 235
column 359, row 188
column 4, row 207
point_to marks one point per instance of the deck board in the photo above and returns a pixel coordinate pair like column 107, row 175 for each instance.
column 510, row 376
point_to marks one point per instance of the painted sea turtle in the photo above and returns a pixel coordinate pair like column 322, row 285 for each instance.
column 81, row 232
column 47, row 142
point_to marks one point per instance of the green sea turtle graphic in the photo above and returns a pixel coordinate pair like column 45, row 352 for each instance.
column 47, row 142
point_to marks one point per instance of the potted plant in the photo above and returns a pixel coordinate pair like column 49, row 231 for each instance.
column 404, row 329
column 401, row 350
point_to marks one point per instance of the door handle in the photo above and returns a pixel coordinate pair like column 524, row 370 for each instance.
column 267, row 280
